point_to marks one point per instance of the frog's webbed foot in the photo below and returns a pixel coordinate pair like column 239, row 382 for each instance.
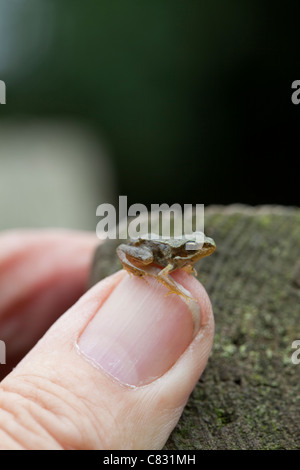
column 189, row 268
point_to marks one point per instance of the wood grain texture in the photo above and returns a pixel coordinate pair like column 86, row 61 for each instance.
column 249, row 394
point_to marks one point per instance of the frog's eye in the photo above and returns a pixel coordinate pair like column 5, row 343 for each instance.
column 191, row 246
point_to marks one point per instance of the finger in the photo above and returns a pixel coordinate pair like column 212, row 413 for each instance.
column 114, row 372
column 42, row 273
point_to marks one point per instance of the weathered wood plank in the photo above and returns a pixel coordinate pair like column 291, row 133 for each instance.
column 249, row 394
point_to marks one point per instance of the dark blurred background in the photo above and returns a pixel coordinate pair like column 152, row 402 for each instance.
column 191, row 100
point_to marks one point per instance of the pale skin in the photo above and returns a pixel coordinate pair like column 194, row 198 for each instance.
column 55, row 398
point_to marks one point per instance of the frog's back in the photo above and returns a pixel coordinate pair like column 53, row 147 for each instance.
column 157, row 240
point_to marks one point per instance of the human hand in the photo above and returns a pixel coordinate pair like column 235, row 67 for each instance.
column 114, row 371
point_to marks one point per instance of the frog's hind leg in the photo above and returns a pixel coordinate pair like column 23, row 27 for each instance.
column 175, row 288
column 125, row 251
column 168, row 282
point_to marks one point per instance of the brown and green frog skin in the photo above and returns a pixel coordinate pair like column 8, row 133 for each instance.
column 140, row 256
column 143, row 256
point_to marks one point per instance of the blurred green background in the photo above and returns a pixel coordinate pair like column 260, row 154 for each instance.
column 190, row 99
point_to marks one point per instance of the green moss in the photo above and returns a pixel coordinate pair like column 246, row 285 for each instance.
column 222, row 417
column 264, row 220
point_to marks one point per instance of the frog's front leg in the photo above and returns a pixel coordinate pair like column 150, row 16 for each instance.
column 189, row 268
column 129, row 255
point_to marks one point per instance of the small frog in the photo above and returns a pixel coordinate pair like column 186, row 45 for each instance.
column 139, row 256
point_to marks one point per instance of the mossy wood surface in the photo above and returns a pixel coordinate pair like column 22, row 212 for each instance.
column 249, row 395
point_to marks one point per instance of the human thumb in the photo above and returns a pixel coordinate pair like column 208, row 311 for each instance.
column 114, row 372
